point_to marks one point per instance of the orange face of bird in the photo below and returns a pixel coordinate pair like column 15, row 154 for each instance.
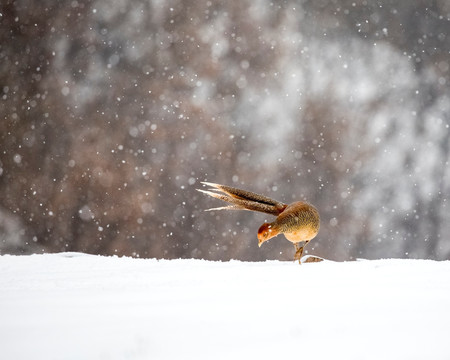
column 266, row 232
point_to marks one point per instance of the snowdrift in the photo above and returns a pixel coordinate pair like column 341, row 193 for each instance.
column 76, row 306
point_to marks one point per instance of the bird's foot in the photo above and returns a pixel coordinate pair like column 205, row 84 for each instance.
column 298, row 253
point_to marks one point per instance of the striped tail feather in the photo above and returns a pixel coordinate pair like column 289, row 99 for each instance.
column 242, row 199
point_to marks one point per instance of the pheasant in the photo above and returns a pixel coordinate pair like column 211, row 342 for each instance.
column 299, row 221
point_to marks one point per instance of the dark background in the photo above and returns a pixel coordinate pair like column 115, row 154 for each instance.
column 112, row 112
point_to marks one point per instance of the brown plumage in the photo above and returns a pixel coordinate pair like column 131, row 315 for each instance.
column 299, row 221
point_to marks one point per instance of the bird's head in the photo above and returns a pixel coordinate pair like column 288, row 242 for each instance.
column 266, row 232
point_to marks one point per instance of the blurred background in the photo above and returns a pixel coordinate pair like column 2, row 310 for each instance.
column 113, row 112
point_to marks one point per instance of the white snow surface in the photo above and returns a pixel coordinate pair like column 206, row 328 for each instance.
column 77, row 306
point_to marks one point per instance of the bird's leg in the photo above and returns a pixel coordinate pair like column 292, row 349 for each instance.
column 298, row 252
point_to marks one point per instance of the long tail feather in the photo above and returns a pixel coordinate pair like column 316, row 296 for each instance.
column 243, row 200
column 229, row 207
column 243, row 194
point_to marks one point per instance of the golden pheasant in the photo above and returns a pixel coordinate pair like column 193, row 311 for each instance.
column 299, row 221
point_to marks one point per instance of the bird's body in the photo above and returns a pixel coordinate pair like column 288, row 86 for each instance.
column 299, row 221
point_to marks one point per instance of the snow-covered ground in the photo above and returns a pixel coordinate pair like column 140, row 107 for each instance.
column 75, row 306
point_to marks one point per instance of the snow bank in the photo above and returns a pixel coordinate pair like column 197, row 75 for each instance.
column 75, row 306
